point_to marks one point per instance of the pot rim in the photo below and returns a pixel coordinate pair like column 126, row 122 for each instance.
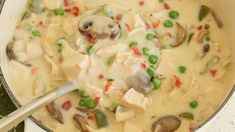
column 18, row 105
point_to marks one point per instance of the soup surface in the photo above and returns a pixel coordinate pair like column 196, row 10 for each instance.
column 141, row 65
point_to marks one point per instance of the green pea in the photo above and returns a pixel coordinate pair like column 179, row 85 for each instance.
column 145, row 51
column 150, row 72
column 174, row 14
column 90, row 103
column 153, row 59
column 59, row 12
column 133, row 44
column 161, row 1
column 149, row 37
column 193, row 104
column 35, row 33
column 168, row 23
column 82, row 102
column 182, row 69
column 156, row 83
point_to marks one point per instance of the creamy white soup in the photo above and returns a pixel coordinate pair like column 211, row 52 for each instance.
column 141, row 65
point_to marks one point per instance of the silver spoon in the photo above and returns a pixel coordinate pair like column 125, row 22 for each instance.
column 14, row 118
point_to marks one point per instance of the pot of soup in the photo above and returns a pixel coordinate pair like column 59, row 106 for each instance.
column 142, row 65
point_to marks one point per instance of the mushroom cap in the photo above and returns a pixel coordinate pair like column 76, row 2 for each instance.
column 166, row 124
column 99, row 27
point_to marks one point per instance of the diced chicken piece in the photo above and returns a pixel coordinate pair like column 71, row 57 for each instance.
column 111, row 50
column 73, row 62
column 124, row 65
column 34, row 50
column 56, row 72
column 134, row 100
column 129, row 127
column 123, row 114
column 52, row 33
column 48, row 50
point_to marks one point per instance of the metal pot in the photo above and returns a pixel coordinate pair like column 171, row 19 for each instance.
column 13, row 9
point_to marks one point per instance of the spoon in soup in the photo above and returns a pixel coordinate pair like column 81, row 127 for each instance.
column 14, row 118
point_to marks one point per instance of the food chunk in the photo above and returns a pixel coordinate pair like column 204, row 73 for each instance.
column 73, row 62
column 135, row 100
column 123, row 114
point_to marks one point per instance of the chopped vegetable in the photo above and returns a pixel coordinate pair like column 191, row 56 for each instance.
column 211, row 62
column 59, row 12
column 66, row 105
column 201, row 35
column 168, row 23
column 187, row 115
column 150, row 72
column 217, row 19
column 166, row 6
column 177, row 82
column 90, row 103
column 149, row 37
column 89, row 50
column 190, row 37
column 82, row 93
column 204, row 11
column 133, row 44
column 174, row 14
column 97, row 99
column 156, row 83
column 208, row 39
column 153, row 59
column 82, row 102
column 136, row 51
column 193, row 104
column 182, row 69
column 161, row 1
column 141, row 3
column 101, row 119
column 75, row 11
column 145, row 51
column 36, row 33
column 213, row 72
column 108, row 86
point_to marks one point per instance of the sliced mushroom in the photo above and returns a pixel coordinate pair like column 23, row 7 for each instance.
column 81, row 122
column 140, row 82
column 166, row 124
column 217, row 19
column 36, row 6
column 55, row 112
column 11, row 55
column 180, row 35
column 99, row 27
column 201, row 35
column 187, row 115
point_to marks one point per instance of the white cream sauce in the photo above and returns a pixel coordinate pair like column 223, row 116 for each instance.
column 115, row 59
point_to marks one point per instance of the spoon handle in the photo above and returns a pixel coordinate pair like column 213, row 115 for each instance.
column 11, row 120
